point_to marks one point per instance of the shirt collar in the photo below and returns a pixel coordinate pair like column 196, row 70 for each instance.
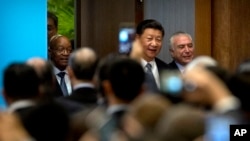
column 56, row 70
column 114, row 108
column 144, row 63
column 20, row 104
column 81, row 85
column 180, row 67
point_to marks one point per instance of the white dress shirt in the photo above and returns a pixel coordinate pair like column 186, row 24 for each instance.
column 66, row 77
column 180, row 67
column 154, row 70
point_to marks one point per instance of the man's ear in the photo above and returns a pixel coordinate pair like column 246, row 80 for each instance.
column 70, row 72
column 107, row 87
column 171, row 50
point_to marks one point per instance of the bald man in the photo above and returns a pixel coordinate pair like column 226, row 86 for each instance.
column 81, row 69
column 48, row 88
column 59, row 52
column 45, row 73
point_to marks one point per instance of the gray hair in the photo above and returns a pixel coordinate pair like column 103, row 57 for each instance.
column 171, row 39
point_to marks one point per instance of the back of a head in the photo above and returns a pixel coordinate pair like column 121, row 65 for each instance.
column 45, row 73
column 181, row 123
column 20, row 81
column 149, row 23
column 83, row 62
column 126, row 76
column 149, row 108
column 102, row 70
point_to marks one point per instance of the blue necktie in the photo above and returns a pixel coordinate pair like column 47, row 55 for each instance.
column 150, row 80
column 62, row 83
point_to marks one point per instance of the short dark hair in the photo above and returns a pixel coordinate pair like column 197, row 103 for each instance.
column 126, row 76
column 20, row 81
column 149, row 23
column 53, row 17
column 102, row 70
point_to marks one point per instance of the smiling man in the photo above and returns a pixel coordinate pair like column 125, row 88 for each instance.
column 59, row 52
column 181, row 49
column 150, row 33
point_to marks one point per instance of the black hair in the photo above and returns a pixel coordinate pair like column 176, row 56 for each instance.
column 53, row 17
column 126, row 76
column 149, row 23
column 20, row 81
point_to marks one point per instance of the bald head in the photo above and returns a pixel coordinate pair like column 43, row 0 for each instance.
column 44, row 71
column 83, row 62
column 37, row 63
column 85, row 55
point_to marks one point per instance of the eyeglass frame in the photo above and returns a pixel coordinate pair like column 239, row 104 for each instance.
column 61, row 50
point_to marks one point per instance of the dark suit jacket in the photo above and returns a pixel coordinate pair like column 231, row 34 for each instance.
column 161, row 65
column 23, row 112
column 47, row 121
column 86, row 96
column 58, row 91
column 172, row 66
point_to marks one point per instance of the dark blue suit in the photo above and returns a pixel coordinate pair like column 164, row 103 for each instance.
column 161, row 66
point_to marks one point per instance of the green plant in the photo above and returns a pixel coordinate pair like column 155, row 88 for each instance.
column 64, row 9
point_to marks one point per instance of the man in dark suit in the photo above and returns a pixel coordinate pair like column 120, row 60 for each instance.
column 48, row 89
column 150, row 33
column 20, row 90
column 181, row 49
column 44, row 70
column 59, row 51
column 123, row 84
column 39, row 117
column 82, row 66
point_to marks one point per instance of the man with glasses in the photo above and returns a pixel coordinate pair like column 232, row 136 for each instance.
column 59, row 51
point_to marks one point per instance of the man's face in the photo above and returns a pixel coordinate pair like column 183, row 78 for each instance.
column 151, row 41
column 60, row 52
column 52, row 29
column 182, row 50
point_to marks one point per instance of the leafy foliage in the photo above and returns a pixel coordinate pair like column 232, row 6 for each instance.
column 64, row 9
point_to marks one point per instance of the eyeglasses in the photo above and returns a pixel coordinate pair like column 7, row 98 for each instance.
column 62, row 50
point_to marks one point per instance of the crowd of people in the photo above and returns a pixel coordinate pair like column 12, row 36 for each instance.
column 77, row 96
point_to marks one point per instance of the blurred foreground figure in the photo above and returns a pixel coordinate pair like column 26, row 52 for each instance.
column 11, row 128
